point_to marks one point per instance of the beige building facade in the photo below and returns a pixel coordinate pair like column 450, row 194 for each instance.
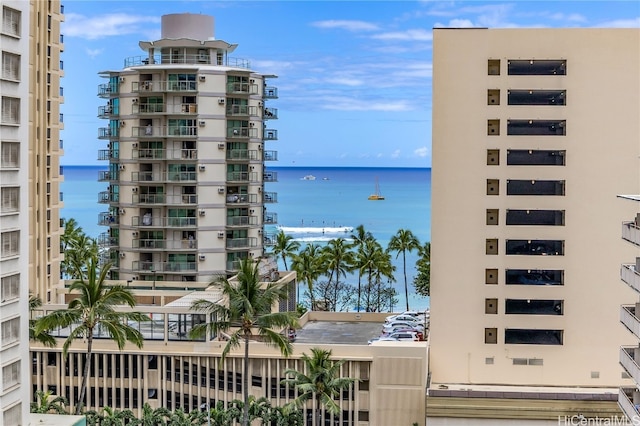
column 535, row 131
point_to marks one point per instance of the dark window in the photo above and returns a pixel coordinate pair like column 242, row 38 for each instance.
column 536, row 97
column 537, row 67
column 527, row 157
column 534, row 277
column 535, row 187
column 533, row 307
column 256, row 381
column 535, row 217
column 491, row 335
column 535, row 247
column 532, row 337
column 536, row 127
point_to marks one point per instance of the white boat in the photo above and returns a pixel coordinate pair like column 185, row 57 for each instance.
column 309, row 177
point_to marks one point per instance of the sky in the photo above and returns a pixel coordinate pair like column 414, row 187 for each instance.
column 354, row 77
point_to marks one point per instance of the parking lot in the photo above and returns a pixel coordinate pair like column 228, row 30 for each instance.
column 338, row 332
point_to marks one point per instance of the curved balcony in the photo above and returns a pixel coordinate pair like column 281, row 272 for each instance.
column 106, row 111
column 629, row 319
column 628, row 362
column 106, row 176
column 270, row 197
column 631, row 233
column 107, row 89
column 270, row 135
column 106, row 241
column 630, row 276
column 106, row 219
column 241, row 243
column 186, row 58
column 270, row 92
column 241, row 220
column 108, row 197
column 108, row 154
column 270, row 176
column 270, row 114
column 270, row 218
column 108, row 132
column 270, row 156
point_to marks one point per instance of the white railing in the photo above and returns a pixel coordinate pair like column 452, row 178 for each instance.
column 629, row 364
column 629, row 275
column 629, row 319
column 625, row 401
column 631, row 233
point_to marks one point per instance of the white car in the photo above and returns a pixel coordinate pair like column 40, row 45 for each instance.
column 411, row 336
column 404, row 317
column 413, row 314
column 388, row 328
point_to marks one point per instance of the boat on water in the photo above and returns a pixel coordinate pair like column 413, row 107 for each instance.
column 309, row 177
column 376, row 195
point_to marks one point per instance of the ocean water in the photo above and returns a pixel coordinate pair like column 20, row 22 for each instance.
column 309, row 210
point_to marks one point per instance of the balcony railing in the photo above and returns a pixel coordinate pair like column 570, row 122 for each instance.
column 241, row 110
column 242, row 154
column 105, row 176
column 233, row 265
column 163, row 176
column 270, row 156
column 107, row 89
column 164, row 131
column 106, row 111
column 270, row 92
column 627, row 361
column 629, row 275
column 270, row 218
column 165, row 199
column 270, row 113
column 631, row 233
column 625, row 401
column 162, row 222
column 154, row 154
column 242, row 132
column 108, row 132
column 270, row 197
column 186, row 58
column 240, row 243
column 242, row 198
column 147, row 108
column 162, row 244
column 268, row 239
column 241, row 220
column 163, row 86
column 628, row 319
column 108, row 154
column 106, row 219
column 242, row 88
column 242, row 177
column 105, row 240
column 108, row 197
column 270, row 135
column 167, row 267
column 270, row 176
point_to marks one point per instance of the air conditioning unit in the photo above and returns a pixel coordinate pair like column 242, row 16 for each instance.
column 221, row 145
column 250, row 254
column 135, row 278
column 251, row 81
column 259, row 189
column 134, row 100
column 134, row 233
column 121, row 167
column 201, row 167
column 135, row 145
column 221, row 101
column 123, row 123
column 202, row 212
column 134, row 190
column 122, row 211
column 121, row 79
column 221, row 234
column 220, row 190
column 122, row 255
column 260, row 103
column 202, row 123
column 260, row 147
column 202, row 257
column 202, row 77
column 259, row 231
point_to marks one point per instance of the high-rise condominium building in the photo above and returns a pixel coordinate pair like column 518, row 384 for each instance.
column 535, row 131
column 186, row 133
column 30, row 43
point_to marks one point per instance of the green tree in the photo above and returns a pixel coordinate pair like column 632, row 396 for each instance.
column 153, row 417
column 41, row 336
column 360, row 237
column 249, row 312
column 422, row 281
column 402, row 242
column 285, row 247
column 45, row 404
column 111, row 417
column 308, row 267
column 93, row 311
column 338, row 261
column 319, row 381
column 372, row 259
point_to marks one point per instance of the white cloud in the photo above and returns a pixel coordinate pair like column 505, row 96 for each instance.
column 380, row 155
column 408, row 35
column 422, row 152
column 456, row 23
column 346, row 25
column 345, row 81
column 395, row 154
column 621, row 23
column 353, row 104
column 92, row 53
column 101, row 26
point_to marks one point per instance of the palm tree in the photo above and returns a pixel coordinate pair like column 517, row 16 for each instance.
column 318, row 381
column 308, row 264
column 404, row 241
column 360, row 237
column 111, row 417
column 369, row 260
column 93, row 311
column 339, row 260
column 285, row 246
column 44, row 404
column 153, row 417
column 248, row 312
column 422, row 281
column 43, row 336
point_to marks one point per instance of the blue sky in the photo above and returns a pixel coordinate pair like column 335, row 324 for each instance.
column 354, row 77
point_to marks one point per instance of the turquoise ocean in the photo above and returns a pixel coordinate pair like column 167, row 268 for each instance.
column 310, row 210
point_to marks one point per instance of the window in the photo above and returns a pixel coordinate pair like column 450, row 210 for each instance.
column 10, row 288
column 13, row 415
column 535, row 187
column 529, row 157
column 534, row 307
column 535, row 217
column 10, row 199
column 537, row 127
column 533, row 337
column 537, row 67
column 10, row 110
column 10, row 66
column 11, row 21
column 10, row 155
column 10, row 331
column 10, row 243
column 535, row 247
column 534, row 277
column 536, row 97
column 10, row 375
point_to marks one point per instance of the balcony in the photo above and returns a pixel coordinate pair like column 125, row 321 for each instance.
column 233, row 265
column 241, row 243
column 625, row 401
column 105, row 111
column 163, row 176
column 106, row 176
column 108, row 197
column 270, row 218
column 629, row 320
column 270, row 197
column 270, row 114
column 270, row 176
column 107, row 89
column 167, row 267
column 270, row 156
column 242, row 154
column 105, row 240
column 108, row 132
column 242, row 177
column 242, row 132
column 106, row 219
column 164, row 199
column 108, row 154
column 241, row 110
column 241, row 88
column 180, row 176
column 186, row 58
column 631, row 233
column 242, row 199
column 629, row 275
column 148, row 86
column 270, row 135
column 628, row 363
column 163, row 131
column 164, row 222
column 152, row 154
column 145, row 176
column 270, row 92
column 147, row 108
column 241, row 220
column 269, row 239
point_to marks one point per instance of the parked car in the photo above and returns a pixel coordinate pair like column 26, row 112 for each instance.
column 413, row 314
column 411, row 330
column 411, row 336
column 382, row 339
column 387, row 328
column 404, row 317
